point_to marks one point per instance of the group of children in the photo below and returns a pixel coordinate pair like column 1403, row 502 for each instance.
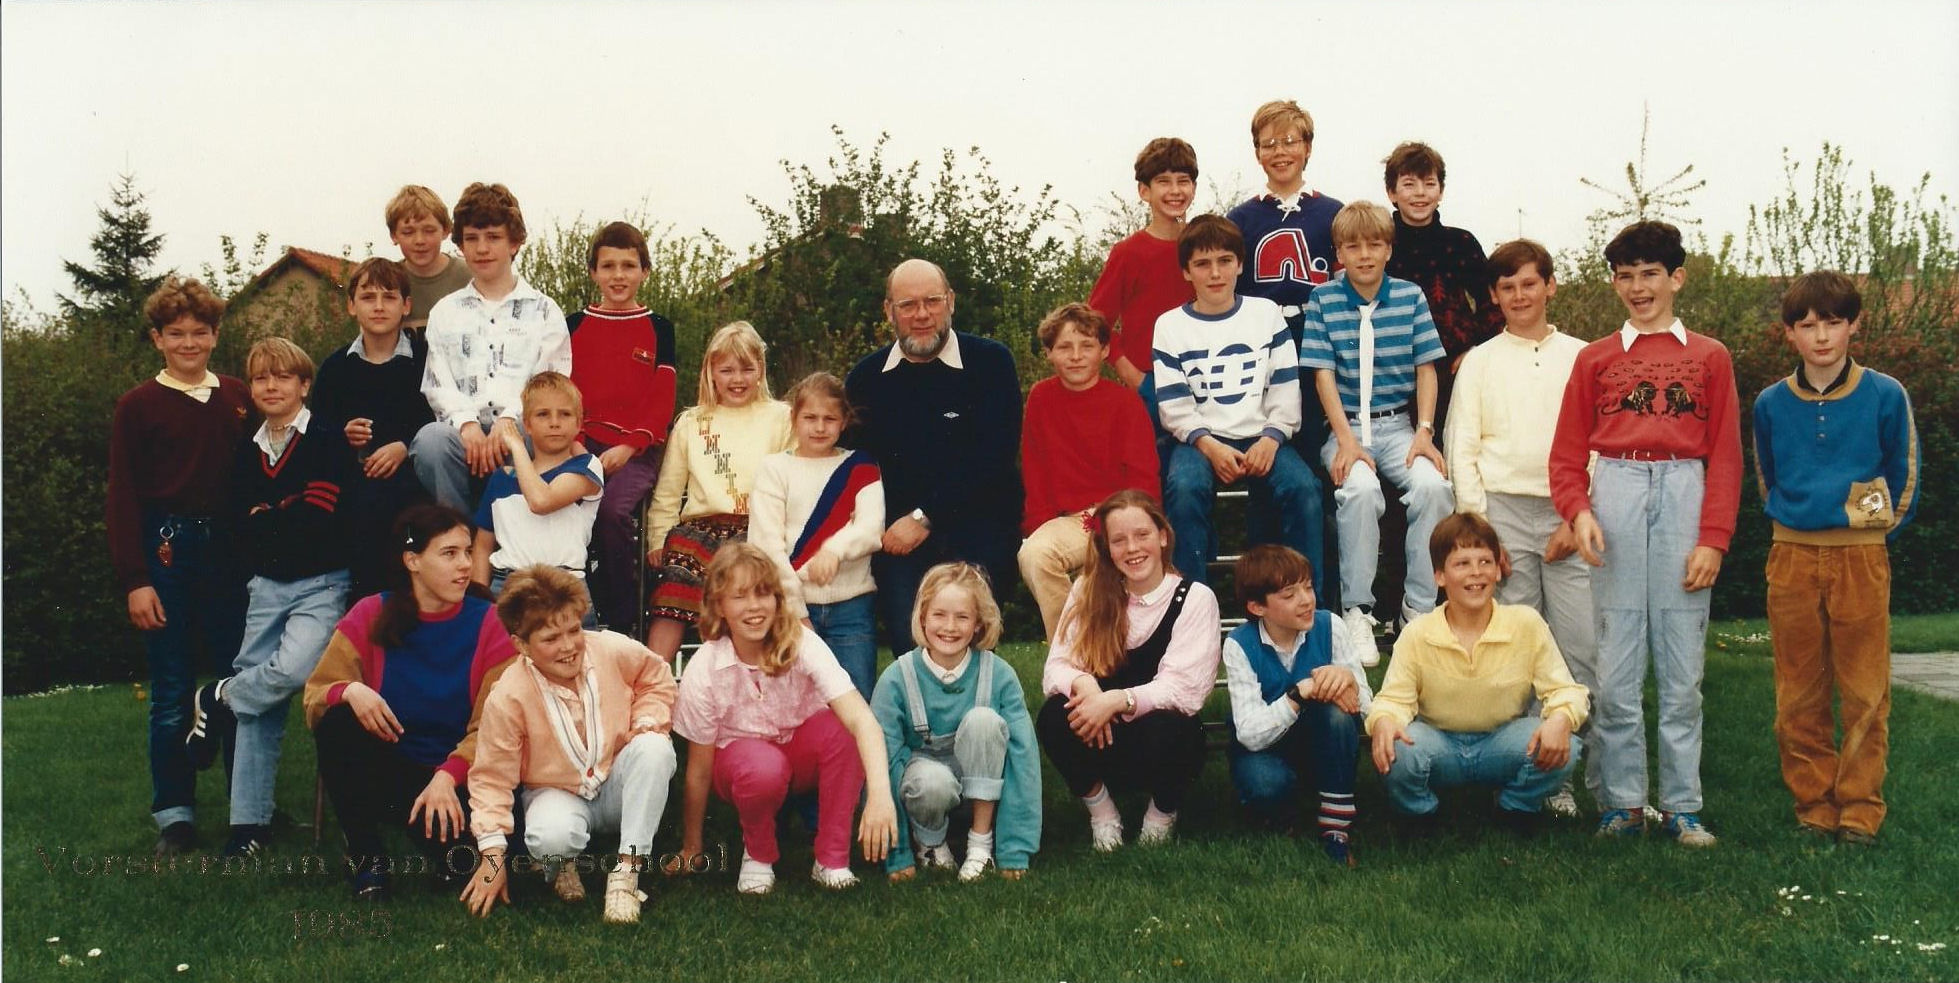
column 1572, row 517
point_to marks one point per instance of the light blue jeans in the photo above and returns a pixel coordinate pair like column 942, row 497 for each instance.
column 1359, row 502
column 973, row 769
column 1446, row 759
column 1650, row 513
column 287, row 626
column 849, row 627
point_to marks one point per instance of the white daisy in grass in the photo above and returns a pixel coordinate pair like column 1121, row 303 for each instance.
column 93, row 953
column 183, row 967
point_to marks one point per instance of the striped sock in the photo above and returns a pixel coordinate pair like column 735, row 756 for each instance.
column 1101, row 808
column 1336, row 812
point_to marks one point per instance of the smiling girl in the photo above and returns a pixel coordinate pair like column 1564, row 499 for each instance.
column 395, row 700
column 1134, row 656
column 766, row 711
column 713, row 454
column 956, row 727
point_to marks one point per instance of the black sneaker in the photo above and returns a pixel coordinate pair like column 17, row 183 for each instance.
column 373, row 885
column 1338, row 848
column 211, row 721
column 178, row 837
column 248, row 841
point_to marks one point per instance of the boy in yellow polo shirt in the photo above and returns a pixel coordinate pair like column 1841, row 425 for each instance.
column 1455, row 708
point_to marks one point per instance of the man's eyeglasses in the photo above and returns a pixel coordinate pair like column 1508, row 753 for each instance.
column 932, row 304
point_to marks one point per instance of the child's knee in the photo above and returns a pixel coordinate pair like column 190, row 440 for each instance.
column 648, row 751
column 982, row 724
column 929, row 790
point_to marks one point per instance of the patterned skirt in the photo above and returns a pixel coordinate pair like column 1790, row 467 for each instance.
column 689, row 548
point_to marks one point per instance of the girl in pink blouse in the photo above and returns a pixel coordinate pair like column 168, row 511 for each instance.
column 1134, row 656
column 766, row 710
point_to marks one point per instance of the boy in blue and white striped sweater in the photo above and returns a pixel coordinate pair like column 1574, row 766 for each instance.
column 1227, row 388
column 1373, row 347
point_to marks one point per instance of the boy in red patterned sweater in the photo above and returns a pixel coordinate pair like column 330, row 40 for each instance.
column 1657, row 403
column 622, row 361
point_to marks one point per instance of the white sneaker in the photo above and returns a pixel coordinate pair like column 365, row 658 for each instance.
column 1563, row 804
column 1154, row 832
column 1360, row 631
column 623, row 896
column 756, row 877
column 1105, row 837
column 832, row 878
column 937, row 858
column 975, row 867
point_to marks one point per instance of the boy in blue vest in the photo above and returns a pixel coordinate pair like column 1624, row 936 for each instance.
column 1296, row 692
column 1836, row 453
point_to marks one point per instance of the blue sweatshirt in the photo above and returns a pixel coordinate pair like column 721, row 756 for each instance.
column 1017, row 824
column 1837, row 467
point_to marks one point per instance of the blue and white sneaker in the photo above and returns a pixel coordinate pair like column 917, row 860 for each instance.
column 1686, row 828
column 1622, row 822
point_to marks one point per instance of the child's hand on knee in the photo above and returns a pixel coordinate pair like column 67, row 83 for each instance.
column 1258, row 458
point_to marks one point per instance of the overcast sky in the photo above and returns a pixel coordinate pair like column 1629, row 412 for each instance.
column 301, row 119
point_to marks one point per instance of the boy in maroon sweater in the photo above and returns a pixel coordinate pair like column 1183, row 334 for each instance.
column 1084, row 438
column 171, row 449
column 622, row 361
column 1654, row 516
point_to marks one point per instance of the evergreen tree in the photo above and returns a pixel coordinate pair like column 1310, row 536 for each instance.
column 109, row 295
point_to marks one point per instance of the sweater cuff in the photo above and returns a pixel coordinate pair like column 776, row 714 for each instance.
column 457, row 768
column 1196, row 435
column 337, row 693
column 491, row 841
column 1275, row 433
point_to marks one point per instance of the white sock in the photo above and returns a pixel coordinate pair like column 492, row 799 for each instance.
column 1101, row 808
column 1157, row 817
column 978, row 845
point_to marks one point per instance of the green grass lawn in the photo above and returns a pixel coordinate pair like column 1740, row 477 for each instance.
column 1223, row 902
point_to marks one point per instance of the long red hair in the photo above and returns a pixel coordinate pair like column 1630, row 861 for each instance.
column 1100, row 614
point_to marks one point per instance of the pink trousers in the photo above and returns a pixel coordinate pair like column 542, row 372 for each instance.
column 757, row 776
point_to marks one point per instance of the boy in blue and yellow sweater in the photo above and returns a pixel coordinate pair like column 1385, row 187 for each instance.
column 1836, row 454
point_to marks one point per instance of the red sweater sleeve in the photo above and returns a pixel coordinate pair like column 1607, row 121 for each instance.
column 1107, row 300
column 1721, row 493
column 1571, row 443
column 1038, row 504
column 1138, row 452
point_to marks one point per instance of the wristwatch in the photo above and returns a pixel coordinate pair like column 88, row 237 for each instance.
column 1129, row 701
column 918, row 516
column 1428, row 425
column 1292, row 693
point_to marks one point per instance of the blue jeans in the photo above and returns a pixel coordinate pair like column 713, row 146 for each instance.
column 1649, row 512
column 441, row 467
column 287, row 625
column 1359, row 503
column 849, row 627
column 1324, row 744
column 202, row 599
column 1446, row 759
column 1289, row 490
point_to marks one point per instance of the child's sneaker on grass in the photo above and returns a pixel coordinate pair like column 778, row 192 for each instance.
column 1105, row 837
column 1562, row 804
column 178, row 837
column 755, row 877
column 832, row 878
column 1157, row 827
column 566, row 884
column 623, row 896
column 1621, row 822
column 975, row 868
column 1338, row 848
column 210, row 720
column 1856, row 837
column 1360, row 630
column 248, row 841
column 937, row 858
column 1686, row 828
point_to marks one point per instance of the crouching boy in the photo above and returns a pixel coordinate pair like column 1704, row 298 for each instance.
column 1296, row 691
column 582, row 724
column 1458, row 691
column 1837, row 456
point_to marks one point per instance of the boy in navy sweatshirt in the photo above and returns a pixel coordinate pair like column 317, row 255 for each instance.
column 1836, row 455
column 287, row 484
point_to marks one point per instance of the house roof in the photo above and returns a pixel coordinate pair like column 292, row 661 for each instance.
column 333, row 269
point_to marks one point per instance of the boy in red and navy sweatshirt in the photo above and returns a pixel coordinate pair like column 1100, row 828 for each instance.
column 1657, row 403
column 170, row 462
column 1836, row 452
column 622, row 358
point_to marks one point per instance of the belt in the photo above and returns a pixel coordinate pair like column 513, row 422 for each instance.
column 1384, row 414
column 1638, row 455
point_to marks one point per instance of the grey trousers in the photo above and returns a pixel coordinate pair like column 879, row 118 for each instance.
column 936, row 780
column 1561, row 591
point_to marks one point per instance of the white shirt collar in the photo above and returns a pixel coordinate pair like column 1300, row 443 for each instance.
column 523, row 289
column 1628, row 333
column 948, row 354
column 1284, row 652
column 949, row 676
column 403, row 347
column 200, row 391
column 1170, row 582
column 1516, row 339
column 263, row 437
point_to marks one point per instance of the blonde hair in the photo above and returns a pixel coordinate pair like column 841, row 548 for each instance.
column 819, row 385
column 739, row 565
column 965, row 575
column 553, row 382
column 737, row 340
column 415, row 201
column 1363, row 221
column 278, row 355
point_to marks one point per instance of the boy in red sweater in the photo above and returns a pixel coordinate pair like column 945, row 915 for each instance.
column 1141, row 278
column 1084, row 438
column 622, row 361
column 171, row 450
column 1657, row 403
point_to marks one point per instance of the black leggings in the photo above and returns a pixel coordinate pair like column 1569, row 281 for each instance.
column 372, row 786
column 1160, row 753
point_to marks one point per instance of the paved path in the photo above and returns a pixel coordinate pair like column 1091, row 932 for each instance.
column 1936, row 673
